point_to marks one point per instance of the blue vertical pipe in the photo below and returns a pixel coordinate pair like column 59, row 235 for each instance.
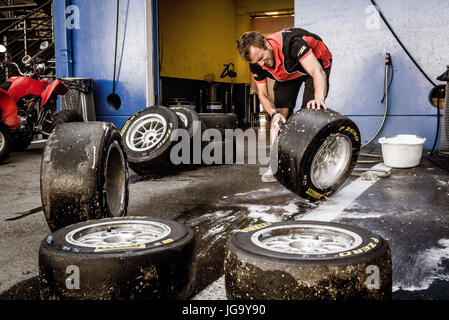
column 63, row 39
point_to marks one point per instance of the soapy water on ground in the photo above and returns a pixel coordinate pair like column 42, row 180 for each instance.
column 426, row 267
column 240, row 210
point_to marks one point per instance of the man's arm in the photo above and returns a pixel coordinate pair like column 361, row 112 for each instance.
column 268, row 104
column 265, row 100
column 314, row 69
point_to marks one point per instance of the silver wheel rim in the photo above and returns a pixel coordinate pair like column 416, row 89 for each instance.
column 146, row 133
column 331, row 161
column 115, row 180
column 303, row 239
column 118, row 234
column 2, row 141
column 183, row 118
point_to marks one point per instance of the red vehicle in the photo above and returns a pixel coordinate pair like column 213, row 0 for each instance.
column 28, row 104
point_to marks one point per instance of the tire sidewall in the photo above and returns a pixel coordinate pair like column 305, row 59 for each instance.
column 60, row 196
column 113, row 136
column 164, row 145
column 189, row 114
column 6, row 137
column 66, row 116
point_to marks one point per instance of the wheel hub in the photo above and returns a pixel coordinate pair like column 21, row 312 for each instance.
column 116, row 234
column 331, row 161
column 2, row 141
column 306, row 240
column 146, row 133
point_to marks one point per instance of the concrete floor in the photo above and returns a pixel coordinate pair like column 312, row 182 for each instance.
column 409, row 209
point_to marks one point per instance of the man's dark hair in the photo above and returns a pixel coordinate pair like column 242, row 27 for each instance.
column 252, row 38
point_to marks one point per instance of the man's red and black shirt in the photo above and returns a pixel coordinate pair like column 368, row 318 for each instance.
column 290, row 47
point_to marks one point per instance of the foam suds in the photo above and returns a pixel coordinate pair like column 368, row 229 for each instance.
column 271, row 213
column 443, row 183
column 407, row 139
column 333, row 207
column 425, row 268
column 253, row 192
column 357, row 211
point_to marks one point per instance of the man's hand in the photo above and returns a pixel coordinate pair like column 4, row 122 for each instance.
column 278, row 117
column 316, row 104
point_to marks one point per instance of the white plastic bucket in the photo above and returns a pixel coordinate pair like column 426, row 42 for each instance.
column 402, row 151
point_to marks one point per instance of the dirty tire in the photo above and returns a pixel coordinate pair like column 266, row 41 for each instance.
column 155, row 263
column 220, row 121
column 150, row 153
column 84, row 174
column 310, row 145
column 5, row 142
column 66, row 116
column 188, row 117
column 256, row 269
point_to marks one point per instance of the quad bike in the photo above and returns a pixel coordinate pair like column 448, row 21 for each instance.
column 28, row 104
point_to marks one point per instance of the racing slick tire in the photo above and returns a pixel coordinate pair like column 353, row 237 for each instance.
column 307, row 260
column 147, row 139
column 316, row 152
column 84, row 174
column 129, row 258
column 66, row 116
column 5, row 142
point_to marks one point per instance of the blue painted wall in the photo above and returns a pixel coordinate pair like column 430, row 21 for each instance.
column 93, row 52
column 358, row 40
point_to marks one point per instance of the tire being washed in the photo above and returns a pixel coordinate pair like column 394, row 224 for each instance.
column 316, row 152
column 84, row 174
column 307, row 260
column 129, row 258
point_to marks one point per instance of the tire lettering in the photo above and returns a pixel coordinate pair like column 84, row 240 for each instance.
column 165, row 138
column 304, row 181
column 256, row 227
column 140, row 246
column 366, row 248
column 314, row 194
column 126, row 125
column 351, row 131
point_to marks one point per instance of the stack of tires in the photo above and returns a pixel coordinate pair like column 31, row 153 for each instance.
column 159, row 139
column 95, row 251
